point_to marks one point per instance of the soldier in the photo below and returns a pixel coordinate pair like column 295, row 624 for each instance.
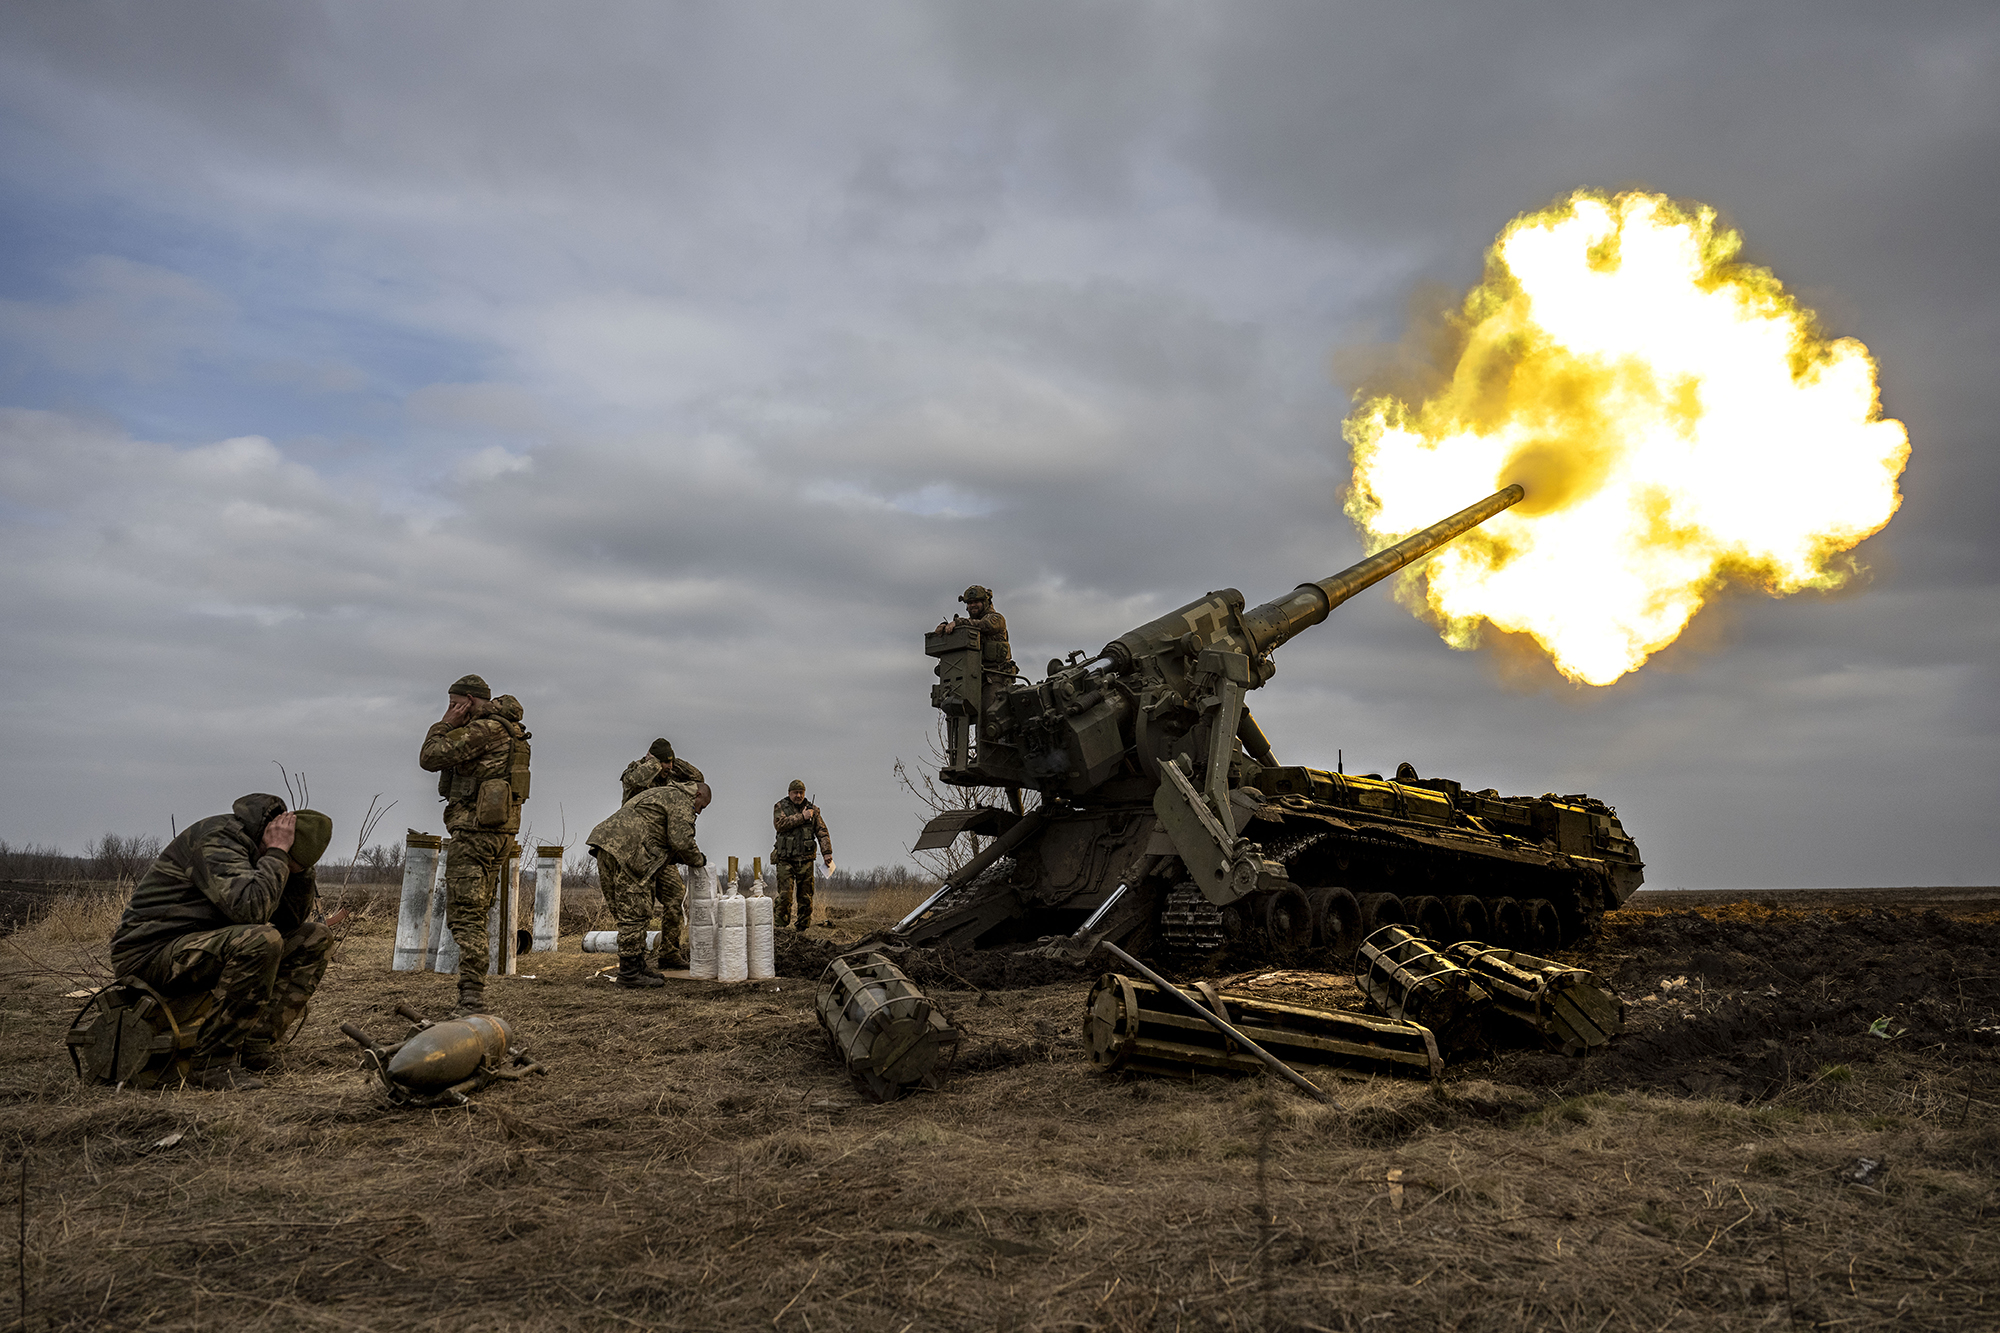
column 228, row 908
column 656, row 768
column 653, row 829
column 798, row 825
column 479, row 750
column 996, row 656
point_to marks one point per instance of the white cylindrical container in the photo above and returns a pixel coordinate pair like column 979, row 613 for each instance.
column 548, row 897
column 701, row 924
column 761, row 935
column 606, row 941
column 443, row 948
column 732, row 943
column 420, row 864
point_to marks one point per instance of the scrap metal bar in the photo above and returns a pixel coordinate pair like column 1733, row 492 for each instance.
column 1220, row 1024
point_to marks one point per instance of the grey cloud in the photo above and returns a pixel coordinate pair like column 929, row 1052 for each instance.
column 783, row 325
column 126, row 318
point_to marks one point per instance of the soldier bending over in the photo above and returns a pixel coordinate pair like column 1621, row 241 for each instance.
column 228, row 908
column 479, row 750
column 798, row 825
column 653, row 829
column 656, row 768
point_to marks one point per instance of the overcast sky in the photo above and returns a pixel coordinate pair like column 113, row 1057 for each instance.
column 675, row 366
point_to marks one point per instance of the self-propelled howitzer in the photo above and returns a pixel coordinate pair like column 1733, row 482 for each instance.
column 1165, row 819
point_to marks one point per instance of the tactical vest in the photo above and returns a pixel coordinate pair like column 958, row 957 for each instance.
column 995, row 653
column 495, row 787
column 798, row 843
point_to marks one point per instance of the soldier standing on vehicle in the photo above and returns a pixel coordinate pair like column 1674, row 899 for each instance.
column 479, row 750
column 656, row 768
column 228, row 908
column 653, row 829
column 799, row 825
column 996, row 655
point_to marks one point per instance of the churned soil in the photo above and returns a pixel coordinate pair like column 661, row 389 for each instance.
column 1800, row 1129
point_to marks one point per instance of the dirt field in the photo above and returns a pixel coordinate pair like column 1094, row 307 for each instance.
column 694, row 1160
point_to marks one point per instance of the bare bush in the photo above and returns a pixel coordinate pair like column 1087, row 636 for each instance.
column 121, row 859
column 937, row 798
column 866, row 883
column 380, row 864
column 580, row 872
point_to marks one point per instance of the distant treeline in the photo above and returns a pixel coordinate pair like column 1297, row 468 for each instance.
column 113, row 857
column 118, row 858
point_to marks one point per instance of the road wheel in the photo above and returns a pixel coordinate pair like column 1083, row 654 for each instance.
column 1336, row 920
column 1469, row 920
column 1287, row 918
column 1430, row 918
column 1379, row 910
column 1543, row 925
column 1509, row 926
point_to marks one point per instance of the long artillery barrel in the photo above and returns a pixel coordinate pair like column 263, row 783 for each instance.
column 1219, row 620
column 1274, row 622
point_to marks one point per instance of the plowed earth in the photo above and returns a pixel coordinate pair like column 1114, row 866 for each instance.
column 1749, row 1155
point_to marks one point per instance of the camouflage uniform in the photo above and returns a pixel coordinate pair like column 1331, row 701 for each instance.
column 646, row 771
column 219, row 912
column 653, row 829
column 464, row 757
column 792, row 855
column 668, row 889
column 996, row 654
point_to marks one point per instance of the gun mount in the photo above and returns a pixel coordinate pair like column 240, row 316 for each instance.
column 1165, row 818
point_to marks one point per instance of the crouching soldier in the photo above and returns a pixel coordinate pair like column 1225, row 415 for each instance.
column 654, row 829
column 799, row 825
column 228, row 908
column 655, row 768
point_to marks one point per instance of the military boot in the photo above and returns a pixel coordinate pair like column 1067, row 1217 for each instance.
column 258, row 1055
column 221, row 1073
column 672, row 960
column 471, row 998
column 633, row 972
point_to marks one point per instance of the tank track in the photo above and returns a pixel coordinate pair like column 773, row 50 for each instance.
column 1383, row 863
column 1190, row 925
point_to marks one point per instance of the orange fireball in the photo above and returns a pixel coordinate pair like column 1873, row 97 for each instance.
column 1677, row 420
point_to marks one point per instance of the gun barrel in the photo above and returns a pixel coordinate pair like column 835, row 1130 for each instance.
column 1274, row 622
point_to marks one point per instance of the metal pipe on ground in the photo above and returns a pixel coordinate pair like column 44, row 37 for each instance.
column 1220, row 1024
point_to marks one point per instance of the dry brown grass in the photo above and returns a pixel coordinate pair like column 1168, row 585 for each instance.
column 694, row 1160
column 83, row 917
column 889, row 903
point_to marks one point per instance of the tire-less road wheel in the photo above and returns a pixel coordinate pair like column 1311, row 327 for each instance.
column 1336, row 920
column 1469, row 920
column 1430, row 918
column 1379, row 910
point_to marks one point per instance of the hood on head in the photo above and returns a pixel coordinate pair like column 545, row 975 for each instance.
column 256, row 810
